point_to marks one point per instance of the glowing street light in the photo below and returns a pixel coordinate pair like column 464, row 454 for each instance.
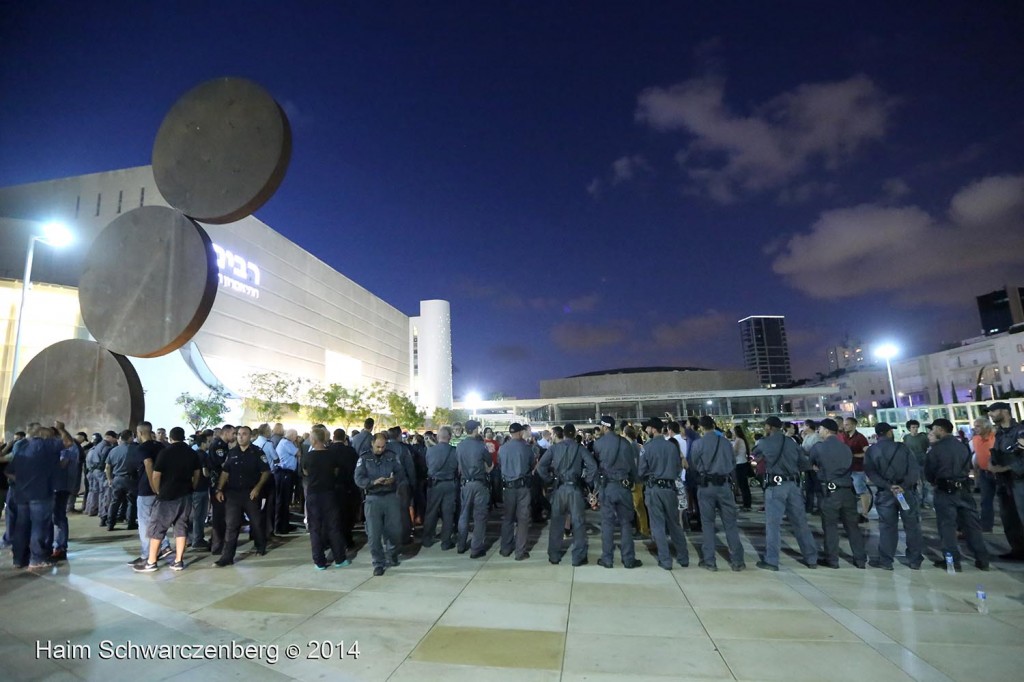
column 887, row 352
column 54, row 234
column 473, row 400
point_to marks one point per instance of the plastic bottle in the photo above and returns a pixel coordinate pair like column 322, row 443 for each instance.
column 982, row 601
column 904, row 505
column 950, row 569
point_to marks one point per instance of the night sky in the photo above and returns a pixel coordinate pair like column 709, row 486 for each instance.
column 591, row 185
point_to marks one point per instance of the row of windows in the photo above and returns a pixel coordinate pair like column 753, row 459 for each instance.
column 99, row 201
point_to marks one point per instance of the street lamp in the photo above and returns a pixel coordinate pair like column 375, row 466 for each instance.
column 473, row 402
column 887, row 352
column 55, row 234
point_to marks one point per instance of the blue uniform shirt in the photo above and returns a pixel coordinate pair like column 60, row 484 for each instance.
column 35, row 468
column 286, row 451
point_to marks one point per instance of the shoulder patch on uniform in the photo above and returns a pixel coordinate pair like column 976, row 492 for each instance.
column 359, row 462
column 263, row 458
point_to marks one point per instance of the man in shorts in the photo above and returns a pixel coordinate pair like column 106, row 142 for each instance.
column 175, row 476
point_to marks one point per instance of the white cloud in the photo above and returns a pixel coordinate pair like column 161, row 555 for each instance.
column 895, row 188
column 731, row 154
column 627, row 167
column 918, row 256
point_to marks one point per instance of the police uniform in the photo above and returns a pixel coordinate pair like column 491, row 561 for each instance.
column 442, row 468
column 660, row 465
column 946, row 466
column 617, row 474
column 834, row 460
column 782, row 497
column 245, row 469
column 1010, row 484
column 217, row 455
column 404, row 454
column 570, row 466
column 887, row 464
column 712, row 463
column 515, row 458
column 382, row 508
column 473, row 460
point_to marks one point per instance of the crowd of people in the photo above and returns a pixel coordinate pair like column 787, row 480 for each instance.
column 655, row 482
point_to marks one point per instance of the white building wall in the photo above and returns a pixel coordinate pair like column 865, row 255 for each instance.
column 430, row 349
column 999, row 360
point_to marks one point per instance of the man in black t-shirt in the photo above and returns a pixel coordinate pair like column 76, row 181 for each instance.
column 350, row 497
column 143, row 458
column 175, row 475
column 321, row 466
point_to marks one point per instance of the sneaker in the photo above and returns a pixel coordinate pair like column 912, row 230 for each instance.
column 342, row 564
column 141, row 561
column 320, row 567
column 146, row 568
column 178, row 566
column 378, row 571
column 164, row 553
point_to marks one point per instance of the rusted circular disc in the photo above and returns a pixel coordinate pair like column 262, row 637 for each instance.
column 222, row 150
column 79, row 383
column 148, row 282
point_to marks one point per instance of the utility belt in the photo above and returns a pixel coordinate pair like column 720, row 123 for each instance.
column 381, row 490
column 666, row 483
column 481, row 481
column 832, row 487
column 574, row 482
column 515, row 483
column 707, row 480
column 882, row 489
column 604, row 479
column 434, row 481
column 779, row 479
column 951, row 485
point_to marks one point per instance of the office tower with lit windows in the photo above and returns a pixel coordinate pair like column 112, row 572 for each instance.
column 765, row 349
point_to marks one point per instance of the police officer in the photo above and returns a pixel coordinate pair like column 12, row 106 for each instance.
column 893, row 469
column 515, row 459
column 218, row 454
column 381, row 474
column 833, row 460
column 1008, row 466
column 475, row 464
column 405, row 488
column 783, row 460
column 442, row 468
column 617, row 474
column 243, row 475
column 660, row 464
column 946, row 466
column 571, row 467
column 712, row 464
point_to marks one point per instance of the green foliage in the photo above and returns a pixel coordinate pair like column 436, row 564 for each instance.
column 272, row 394
column 203, row 412
column 443, row 416
column 404, row 412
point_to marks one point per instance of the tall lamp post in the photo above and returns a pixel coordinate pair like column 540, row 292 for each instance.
column 887, row 352
column 55, row 234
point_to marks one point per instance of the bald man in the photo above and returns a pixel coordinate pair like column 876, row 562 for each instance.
column 285, row 475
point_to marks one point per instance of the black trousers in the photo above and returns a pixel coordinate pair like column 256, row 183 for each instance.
column 350, row 500
column 235, row 503
column 324, row 526
column 284, row 481
column 217, row 525
column 122, row 499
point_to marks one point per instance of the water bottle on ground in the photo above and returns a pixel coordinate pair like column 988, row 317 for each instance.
column 950, row 569
column 904, row 505
column 982, row 601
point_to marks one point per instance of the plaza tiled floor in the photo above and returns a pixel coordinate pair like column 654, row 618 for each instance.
column 442, row 616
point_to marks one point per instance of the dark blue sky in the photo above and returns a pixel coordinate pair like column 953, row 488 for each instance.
column 591, row 185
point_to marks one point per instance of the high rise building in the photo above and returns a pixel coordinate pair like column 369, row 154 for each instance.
column 765, row 348
column 1001, row 309
column 847, row 355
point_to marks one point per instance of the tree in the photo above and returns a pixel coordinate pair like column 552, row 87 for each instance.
column 443, row 416
column 328, row 405
column 952, row 389
column 938, row 394
column 272, row 394
column 202, row 412
column 404, row 411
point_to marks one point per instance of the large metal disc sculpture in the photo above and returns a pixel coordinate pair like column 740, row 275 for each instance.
column 80, row 383
column 149, row 282
column 222, row 150
column 150, row 278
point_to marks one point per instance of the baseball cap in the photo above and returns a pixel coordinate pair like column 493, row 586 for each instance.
column 829, row 424
column 774, row 422
column 999, row 406
column 515, row 427
column 882, row 428
column 472, row 424
column 608, row 421
column 946, row 425
column 654, row 423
